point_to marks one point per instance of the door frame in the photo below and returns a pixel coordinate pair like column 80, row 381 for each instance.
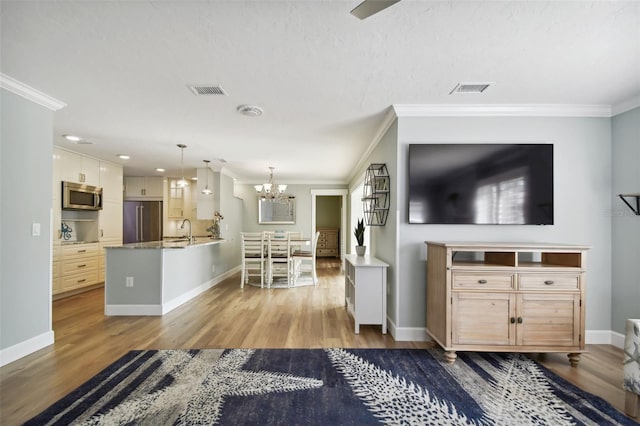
column 342, row 193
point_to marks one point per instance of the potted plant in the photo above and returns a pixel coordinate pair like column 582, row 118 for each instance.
column 359, row 234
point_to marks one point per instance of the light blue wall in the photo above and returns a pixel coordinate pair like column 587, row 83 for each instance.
column 25, row 198
column 582, row 197
column 626, row 225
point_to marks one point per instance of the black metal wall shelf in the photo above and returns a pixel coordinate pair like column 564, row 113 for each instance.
column 376, row 200
column 635, row 209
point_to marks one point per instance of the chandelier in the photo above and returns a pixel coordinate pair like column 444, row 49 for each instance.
column 270, row 191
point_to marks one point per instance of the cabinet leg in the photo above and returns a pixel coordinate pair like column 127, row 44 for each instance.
column 574, row 359
column 450, row 356
column 632, row 404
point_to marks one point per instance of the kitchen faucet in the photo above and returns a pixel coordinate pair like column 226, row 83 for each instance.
column 189, row 236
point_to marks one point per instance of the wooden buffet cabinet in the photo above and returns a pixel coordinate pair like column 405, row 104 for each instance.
column 506, row 297
column 328, row 242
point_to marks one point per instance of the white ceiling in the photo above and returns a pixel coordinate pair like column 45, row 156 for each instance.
column 324, row 78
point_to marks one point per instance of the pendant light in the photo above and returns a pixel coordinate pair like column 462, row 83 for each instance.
column 182, row 183
column 206, row 190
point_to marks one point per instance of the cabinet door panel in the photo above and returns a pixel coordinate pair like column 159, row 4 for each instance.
column 483, row 318
column 549, row 319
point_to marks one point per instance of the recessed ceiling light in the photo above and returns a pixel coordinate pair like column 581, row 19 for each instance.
column 123, row 156
column 72, row 138
column 470, row 88
column 194, row 178
column 250, row 110
column 159, row 169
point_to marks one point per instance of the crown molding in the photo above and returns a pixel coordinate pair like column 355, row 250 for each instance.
column 501, row 110
column 388, row 120
column 625, row 106
column 29, row 93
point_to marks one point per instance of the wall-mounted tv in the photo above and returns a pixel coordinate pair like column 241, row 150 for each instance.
column 481, row 184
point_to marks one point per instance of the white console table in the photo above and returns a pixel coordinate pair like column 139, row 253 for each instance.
column 365, row 290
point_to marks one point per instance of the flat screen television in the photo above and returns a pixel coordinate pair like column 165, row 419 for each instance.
column 481, row 184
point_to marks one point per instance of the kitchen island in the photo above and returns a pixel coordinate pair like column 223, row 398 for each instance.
column 153, row 278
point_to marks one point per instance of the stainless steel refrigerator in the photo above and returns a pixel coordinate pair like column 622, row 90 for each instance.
column 142, row 221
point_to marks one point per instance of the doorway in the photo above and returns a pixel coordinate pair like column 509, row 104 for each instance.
column 342, row 194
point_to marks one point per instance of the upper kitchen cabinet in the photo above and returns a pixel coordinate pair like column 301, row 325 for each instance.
column 79, row 168
column 111, row 181
column 143, row 188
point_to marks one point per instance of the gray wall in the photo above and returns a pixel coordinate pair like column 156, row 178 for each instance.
column 625, row 225
column 328, row 211
column 383, row 240
column 582, row 198
column 25, row 198
column 303, row 207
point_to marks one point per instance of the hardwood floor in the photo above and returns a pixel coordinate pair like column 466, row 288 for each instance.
column 228, row 317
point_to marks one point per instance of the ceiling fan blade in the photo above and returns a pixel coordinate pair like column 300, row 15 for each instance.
column 370, row 7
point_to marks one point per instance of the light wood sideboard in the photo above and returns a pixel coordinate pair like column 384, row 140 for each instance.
column 506, row 297
column 328, row 243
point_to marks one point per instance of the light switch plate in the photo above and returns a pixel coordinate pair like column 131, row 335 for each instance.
column 35, row 229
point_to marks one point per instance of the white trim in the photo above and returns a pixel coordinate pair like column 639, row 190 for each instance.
column 617, row 339
column 625, row 106
column 388, row 120
column 501, row 110
column 29, row 346
column 342, row 193
column 29, row 93
column 597, row 337
column 407, row 334
column 132, row 310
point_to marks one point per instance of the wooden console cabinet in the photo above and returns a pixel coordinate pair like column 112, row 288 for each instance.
column 506, row 297
column 328, row 243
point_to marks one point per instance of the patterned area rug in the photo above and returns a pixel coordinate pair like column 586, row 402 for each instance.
column 327, row 386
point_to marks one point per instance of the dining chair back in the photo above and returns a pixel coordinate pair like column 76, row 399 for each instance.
column 279, row 258
column 253, row 257
column 305, row 261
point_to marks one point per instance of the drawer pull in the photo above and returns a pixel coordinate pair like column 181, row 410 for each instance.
column 513, row 320
column 82, row 280
column 82, row 266
column 82, row 251
column 520, row 320
column 482, row 281
column 548, row 282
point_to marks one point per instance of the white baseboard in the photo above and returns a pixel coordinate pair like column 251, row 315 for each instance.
column 132, row 310
column 19, row 350
column 417, row 334
column 159, row 310
column 407, row 334
column 617, row 339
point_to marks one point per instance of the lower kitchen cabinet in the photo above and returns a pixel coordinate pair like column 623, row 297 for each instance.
column 78, row 266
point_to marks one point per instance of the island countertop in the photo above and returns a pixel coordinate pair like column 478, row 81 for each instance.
column 171, row 244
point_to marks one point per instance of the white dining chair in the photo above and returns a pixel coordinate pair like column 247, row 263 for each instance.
column 253, row 257
column 280, row 262
column 305, row 261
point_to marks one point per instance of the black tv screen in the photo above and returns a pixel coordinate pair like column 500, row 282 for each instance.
column 481, row 184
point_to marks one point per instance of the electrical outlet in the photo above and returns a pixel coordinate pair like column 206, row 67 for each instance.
column 129, row 282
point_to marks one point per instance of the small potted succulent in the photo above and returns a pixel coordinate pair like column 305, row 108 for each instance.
column 359, row 234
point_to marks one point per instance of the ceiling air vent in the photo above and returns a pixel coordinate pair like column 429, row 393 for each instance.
column 470, row 88
column 206, row 89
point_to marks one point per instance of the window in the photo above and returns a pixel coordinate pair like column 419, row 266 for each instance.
column 502, row 200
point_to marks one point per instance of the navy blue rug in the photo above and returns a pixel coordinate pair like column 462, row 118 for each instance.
column 325, row 387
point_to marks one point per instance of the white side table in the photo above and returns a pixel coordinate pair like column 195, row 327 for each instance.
column 365, row 290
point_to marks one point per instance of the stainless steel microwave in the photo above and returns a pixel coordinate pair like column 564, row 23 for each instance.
column 77, row 196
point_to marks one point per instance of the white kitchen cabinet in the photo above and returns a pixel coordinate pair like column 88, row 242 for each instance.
column 79, row 266
column 78, row 168
column 143, row 187
column 365, row 290
column 111, row 181
column 110, row 220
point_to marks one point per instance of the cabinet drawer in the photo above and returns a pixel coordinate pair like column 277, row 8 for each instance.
column 549, row 282
column 78, row 265
column 326, row 252
column 467, row 280
column 74, row 281
column 79, row 250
